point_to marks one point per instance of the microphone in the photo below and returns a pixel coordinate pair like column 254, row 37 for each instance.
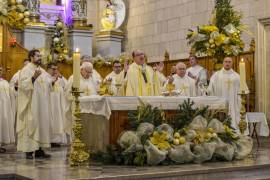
column 144, row 73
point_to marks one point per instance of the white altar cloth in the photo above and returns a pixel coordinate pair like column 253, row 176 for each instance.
column 104, row 105
column 96, row 112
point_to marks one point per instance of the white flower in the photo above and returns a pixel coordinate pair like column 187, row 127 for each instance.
column 3, row 7
column 56, row 39
column 230, row 29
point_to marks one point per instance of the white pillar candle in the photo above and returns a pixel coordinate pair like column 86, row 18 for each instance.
column 242, row 71
column 76, row 69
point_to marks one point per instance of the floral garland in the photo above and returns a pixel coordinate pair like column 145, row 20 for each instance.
column 59, row 49
column 14, row 13
column 153, row 140
column 100, row 61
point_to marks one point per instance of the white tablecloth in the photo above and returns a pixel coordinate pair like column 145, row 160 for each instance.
column 97, row 111
column 262, row 127
column 104, row 105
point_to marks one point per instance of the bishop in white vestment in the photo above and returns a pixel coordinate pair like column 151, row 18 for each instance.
column 183, row 83
column 226, row 83
column 33, row 119
column 7, row 119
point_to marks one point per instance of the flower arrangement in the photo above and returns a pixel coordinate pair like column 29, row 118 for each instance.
column 59, row 49
column 14, row 13
column 222, row 37
column 150, row 141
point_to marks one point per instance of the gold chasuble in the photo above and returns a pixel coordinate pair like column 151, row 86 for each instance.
column 141, row 81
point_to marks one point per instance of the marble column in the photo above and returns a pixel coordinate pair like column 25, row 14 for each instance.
column 81, row 39
column 109, row 43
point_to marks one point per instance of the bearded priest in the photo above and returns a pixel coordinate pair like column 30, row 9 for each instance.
column 33, row 121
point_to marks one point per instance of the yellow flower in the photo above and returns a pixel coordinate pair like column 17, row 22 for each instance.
column 208, row 28
column 211, row 41
column 160, row 139
column 211, row 130
column 230, row 132
column 220, row 39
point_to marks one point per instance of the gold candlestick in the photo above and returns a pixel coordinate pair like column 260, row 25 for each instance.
column 242, row 123
column 78, row 155
column 170, row 87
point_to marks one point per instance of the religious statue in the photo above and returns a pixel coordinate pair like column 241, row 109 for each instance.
column 109, row 16
column 79, row 9
column 33, row 6
column 113, row 14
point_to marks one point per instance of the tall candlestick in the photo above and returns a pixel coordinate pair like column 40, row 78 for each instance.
column 242, row 71
column 76, row 69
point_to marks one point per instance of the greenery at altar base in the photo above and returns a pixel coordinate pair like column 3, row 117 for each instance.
column 14, row 13
column 222, row 37
column 193, row 135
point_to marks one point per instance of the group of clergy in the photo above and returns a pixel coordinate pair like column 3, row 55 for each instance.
column 37, row 103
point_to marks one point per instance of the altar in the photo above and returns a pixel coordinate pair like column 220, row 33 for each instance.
column 104, row 118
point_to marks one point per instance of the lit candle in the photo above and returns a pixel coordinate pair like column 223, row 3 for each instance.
column 242, row 71
column 76, row 69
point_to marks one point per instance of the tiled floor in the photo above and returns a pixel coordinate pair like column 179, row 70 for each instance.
column 58, row 168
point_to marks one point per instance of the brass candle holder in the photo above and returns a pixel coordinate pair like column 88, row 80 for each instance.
column 242, row 123
column 79, row 155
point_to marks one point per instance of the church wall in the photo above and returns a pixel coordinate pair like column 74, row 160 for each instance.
column 156, row 25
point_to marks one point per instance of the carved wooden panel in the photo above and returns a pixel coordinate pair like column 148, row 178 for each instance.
column 11, row 58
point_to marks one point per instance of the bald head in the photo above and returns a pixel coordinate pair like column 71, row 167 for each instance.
column 227, row 63
column 86, row 58
column 181, row 69
column 86, row 70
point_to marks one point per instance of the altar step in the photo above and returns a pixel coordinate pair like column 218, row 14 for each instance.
column 14, row 166
column 222, row 173
column 256, row 166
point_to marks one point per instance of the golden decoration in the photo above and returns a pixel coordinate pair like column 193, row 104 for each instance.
column 170, row 87
column 166, row 56
column 242, row 123
column 79, row 155
column 252, row 45
column 106, row 88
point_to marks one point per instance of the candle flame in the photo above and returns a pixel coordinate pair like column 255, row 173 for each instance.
column 77, row 50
